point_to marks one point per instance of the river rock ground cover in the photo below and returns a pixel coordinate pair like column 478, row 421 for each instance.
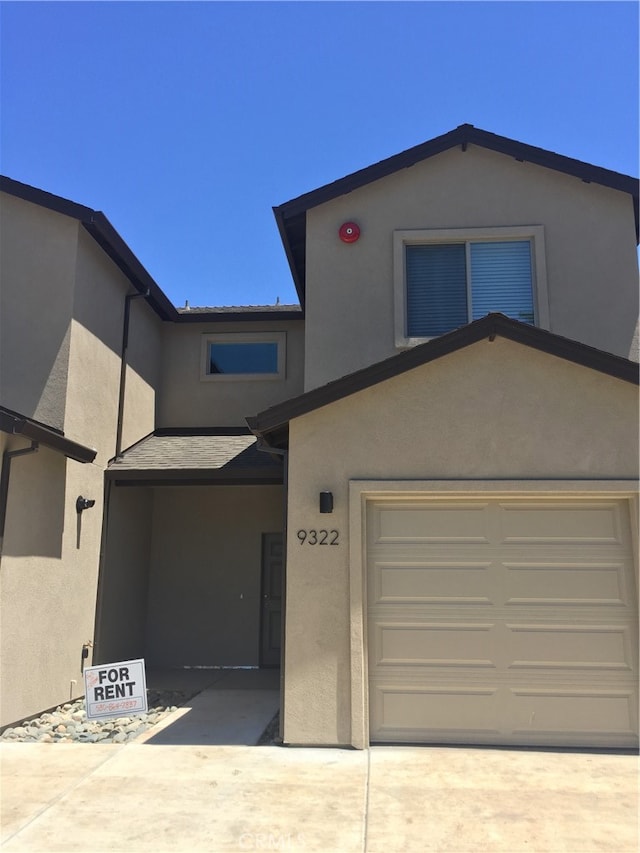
column 68, row 722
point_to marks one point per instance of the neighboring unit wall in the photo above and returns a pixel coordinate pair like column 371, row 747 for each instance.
column 51, row 553
column 187, row 400
column 49, row 572
column 37, row 270
column 95, row 356
column 591, row 262
column 204, row 581
column 492, row 411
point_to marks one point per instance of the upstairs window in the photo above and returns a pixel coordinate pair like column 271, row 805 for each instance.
column 251, row 355
column 445, row 279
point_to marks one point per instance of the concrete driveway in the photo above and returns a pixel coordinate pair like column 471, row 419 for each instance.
column 143, row 797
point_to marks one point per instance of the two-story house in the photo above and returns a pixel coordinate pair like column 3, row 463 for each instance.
column 417, row 491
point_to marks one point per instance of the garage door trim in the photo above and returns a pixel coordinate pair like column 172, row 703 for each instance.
column 362, row 492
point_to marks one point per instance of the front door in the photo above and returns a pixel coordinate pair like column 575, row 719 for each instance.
column 271, row 611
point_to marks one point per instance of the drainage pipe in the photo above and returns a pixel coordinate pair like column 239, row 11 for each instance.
column 7, row 456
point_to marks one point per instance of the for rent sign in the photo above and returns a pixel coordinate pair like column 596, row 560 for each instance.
column 115, row 689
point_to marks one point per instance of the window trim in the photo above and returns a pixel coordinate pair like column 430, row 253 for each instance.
column 417, row 237
column 278, row 338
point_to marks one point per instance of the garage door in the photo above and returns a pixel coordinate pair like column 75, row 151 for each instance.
column 502, row 622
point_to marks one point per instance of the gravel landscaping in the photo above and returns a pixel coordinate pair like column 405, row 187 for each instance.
column 68, row 723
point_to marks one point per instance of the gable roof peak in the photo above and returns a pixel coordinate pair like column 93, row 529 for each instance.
column 291, row 215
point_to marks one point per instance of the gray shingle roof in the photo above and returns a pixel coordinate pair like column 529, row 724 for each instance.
column 195, row 456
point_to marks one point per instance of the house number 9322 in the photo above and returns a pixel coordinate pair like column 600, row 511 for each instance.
column 319, row 537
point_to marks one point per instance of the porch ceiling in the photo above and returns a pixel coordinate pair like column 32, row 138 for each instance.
column 172, row 457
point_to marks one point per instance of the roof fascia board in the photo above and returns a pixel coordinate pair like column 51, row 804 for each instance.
column 298, row 280
column 464, row 135
column 115, row 247
column 237, row 316
column 193, row 475
column 278, row 416
column 105, row 235
column 45, row 199
column 16, row 424
column 193, row 431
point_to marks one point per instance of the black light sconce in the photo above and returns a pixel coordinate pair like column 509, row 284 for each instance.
column 326, row 501
column 83, row 503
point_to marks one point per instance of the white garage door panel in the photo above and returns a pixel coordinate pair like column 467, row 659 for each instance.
column 502, row 621
column 503, row 646
column 408, row 582
column 456, row 713
column 576, row 716
column 570, row 647
column 440, row 523
column 434, row 645
column 446, row 710
column 540, row 523
column 567, row 583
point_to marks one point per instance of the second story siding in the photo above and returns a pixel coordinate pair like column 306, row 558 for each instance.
column 585, row 268
column 192, row 397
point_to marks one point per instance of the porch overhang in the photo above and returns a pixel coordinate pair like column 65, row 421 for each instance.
column 212, row 456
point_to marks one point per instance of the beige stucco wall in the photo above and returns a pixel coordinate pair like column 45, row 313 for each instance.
column 144, row 368
column 37, row 271
column 49, row 570
column 94, row 360
column 187, row 400
column 124, row 583
column 493, row 411
column 50, row 556
column 204, row 579
column 591, row 261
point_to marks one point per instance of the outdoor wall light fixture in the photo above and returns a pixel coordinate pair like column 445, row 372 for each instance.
column 326, row 501
column 83, row 503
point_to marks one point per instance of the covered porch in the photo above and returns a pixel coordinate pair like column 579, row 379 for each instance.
column 192, row 554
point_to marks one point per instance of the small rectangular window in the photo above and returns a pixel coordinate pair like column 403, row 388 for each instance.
column 243, row 355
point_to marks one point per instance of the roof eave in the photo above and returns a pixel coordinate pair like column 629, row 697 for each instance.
column 237, row 316
column 15, row 424
column 464, row 135
column 274, row 421
column 105, row 235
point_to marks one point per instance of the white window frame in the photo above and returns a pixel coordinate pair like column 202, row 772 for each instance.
column 421, row 237
column 279, row 338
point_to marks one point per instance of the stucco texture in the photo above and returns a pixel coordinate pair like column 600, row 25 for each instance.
column 589, row 239
column 61, row 365
column 491, row 411
column 187, row 400
column 37, row 270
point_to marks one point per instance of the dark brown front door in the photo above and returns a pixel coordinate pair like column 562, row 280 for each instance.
column 271, row 612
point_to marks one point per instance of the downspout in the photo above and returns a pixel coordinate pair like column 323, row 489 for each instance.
column 264, row 447
column 7, row 456
column 123, row 364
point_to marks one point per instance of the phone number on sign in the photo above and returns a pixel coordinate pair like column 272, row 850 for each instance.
column 102, row 707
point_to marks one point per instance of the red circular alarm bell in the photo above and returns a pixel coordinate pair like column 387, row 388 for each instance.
column 349, row 232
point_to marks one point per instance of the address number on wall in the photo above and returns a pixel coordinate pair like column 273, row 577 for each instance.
column 319, row 537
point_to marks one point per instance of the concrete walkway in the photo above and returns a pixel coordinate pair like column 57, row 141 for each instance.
column 195, row 783
column 233, row 707
column 142, row 797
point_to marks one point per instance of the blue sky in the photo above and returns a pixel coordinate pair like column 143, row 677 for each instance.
column 186, row 122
